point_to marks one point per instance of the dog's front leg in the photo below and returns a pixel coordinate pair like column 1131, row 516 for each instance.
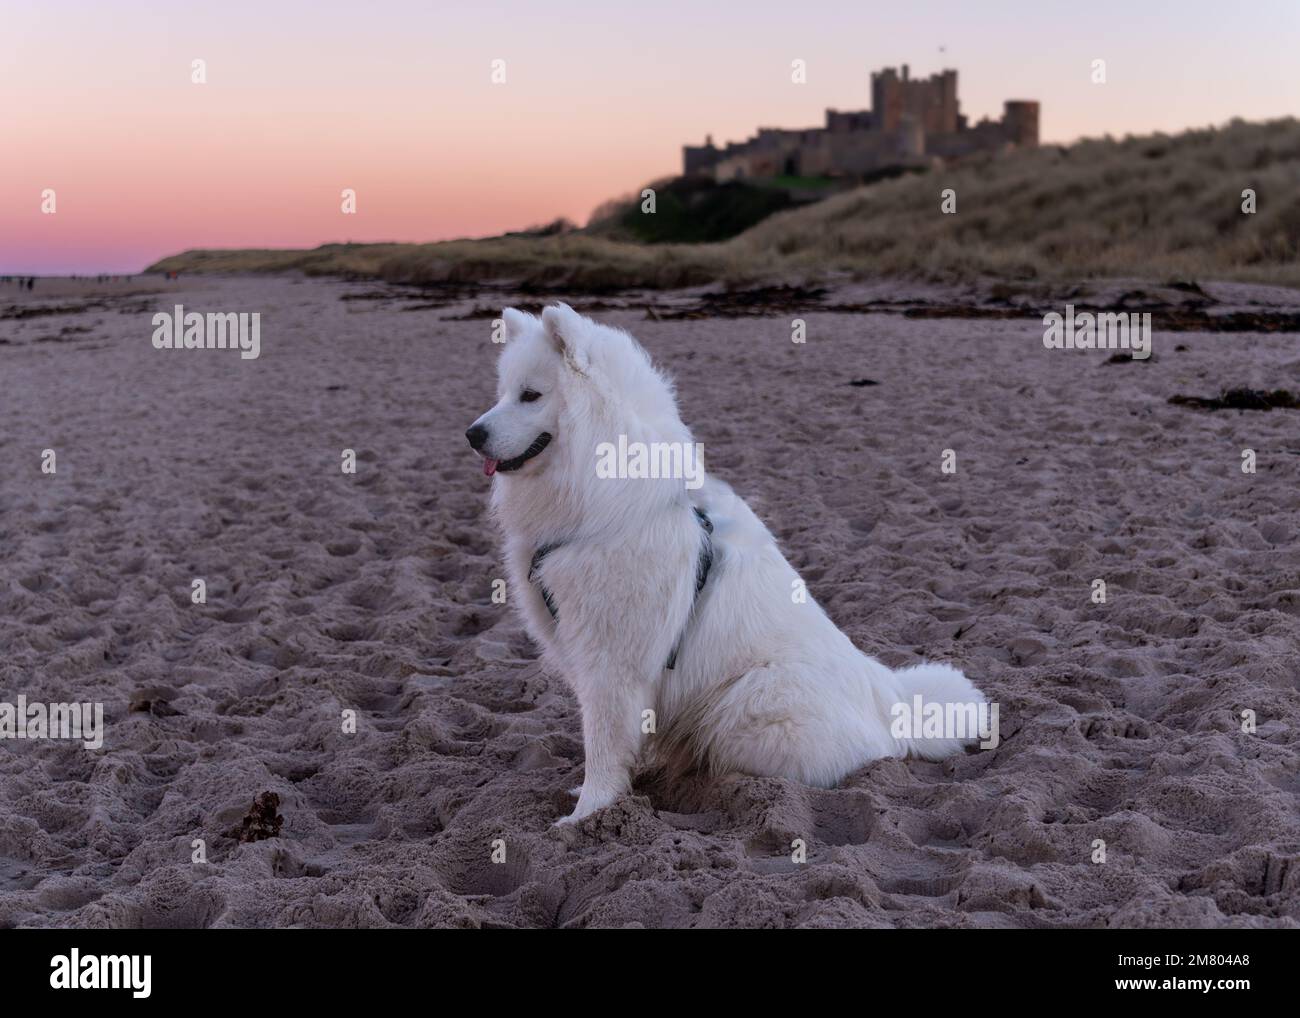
column 611, row 737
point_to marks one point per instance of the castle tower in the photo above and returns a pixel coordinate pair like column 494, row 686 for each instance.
column 948, row 112
column 931, row 101
column 1020, row 118
column 886, row 98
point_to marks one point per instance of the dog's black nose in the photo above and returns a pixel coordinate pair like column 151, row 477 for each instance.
column 477, row 435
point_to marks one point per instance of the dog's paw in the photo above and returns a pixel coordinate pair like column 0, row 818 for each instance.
column 571, row 820
column 588, row 803
column 577, row 814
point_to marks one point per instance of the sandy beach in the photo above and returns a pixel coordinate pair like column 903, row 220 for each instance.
column 327, row 592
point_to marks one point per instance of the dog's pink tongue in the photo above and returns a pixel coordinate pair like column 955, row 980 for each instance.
column 489, row 467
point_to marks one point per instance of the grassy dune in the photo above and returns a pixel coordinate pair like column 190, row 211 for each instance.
column 572, row 260
column 1152, row 206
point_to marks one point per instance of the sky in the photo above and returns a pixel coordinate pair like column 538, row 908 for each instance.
column 395, row 100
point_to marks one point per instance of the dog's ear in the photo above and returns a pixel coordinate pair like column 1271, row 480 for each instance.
column 516, row 323
column 569, row 333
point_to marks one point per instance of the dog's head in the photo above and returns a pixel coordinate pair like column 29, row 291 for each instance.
column 526, row 417
column 563, row 381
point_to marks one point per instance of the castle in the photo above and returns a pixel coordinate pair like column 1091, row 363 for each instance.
column 912, row 122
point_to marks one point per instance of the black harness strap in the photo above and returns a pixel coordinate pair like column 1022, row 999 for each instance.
column 533, row 566
column 702, row 568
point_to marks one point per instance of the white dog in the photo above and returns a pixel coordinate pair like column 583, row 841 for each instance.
column 663, row 600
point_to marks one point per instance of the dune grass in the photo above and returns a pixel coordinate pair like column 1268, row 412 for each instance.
column 1161, row 205
column 1144, row 207
column 574, row 260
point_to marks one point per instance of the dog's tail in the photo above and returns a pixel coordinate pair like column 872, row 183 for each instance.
column 940, row 710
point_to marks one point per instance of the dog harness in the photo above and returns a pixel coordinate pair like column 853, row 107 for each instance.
column 702, row 568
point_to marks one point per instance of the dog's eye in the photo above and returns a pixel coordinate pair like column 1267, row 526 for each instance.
column 528, row 395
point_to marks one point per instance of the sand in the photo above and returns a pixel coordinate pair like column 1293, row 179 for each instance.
column 327, row 592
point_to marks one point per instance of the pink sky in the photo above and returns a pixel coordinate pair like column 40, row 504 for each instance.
column 395, row 100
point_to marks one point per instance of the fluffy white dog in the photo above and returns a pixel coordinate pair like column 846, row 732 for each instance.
column 663, row 600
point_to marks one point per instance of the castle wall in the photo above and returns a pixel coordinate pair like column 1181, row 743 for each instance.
column 854, row 153
column 838, row 121
column 698, row 159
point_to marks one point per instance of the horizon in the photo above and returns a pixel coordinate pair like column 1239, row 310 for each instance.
column 596, row 103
